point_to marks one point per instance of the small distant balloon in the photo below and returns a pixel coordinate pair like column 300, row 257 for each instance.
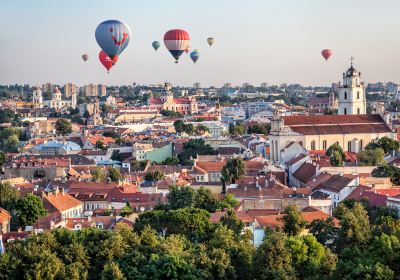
column 195, row 55
column 85, row 57
column 176, row 41
column 113, row 37
column 107, row 62
column 326, row 53
column 210, row 41
column 156, row 45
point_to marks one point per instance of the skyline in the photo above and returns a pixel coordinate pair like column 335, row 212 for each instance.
column 265, row 42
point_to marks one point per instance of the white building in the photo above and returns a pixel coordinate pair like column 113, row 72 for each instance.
column 351, row 95
column 56, row 102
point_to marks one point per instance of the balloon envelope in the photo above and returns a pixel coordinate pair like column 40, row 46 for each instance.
column 113, row 37
column 326, row 53
column 156, row 45
column 107, row 62
column 85, row 57
column 210, row 41
column 195, row 55
column 176, row 41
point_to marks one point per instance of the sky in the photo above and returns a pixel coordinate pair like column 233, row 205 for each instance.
column 274, row 41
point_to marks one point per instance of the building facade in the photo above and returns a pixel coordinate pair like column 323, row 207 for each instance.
column 351, row 94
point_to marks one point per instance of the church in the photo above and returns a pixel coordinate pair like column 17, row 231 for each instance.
column 183, row 105
column 56, row 102
column 352, row 128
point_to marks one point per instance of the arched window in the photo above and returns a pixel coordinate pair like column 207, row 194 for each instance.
column 358, row 111
column 345, row 95
column 301, row 143
column 361, row 145
column 345, row 111
column 324, row 145
column 349, row 146
column 358, row 95
column 312, row 145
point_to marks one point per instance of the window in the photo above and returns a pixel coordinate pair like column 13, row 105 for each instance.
column 349, row 146
column 358, row 95
column 344, row 111
column 345, row 95
column 324, row 145
column 361, row 145
column 312, row 145
column 358, row 111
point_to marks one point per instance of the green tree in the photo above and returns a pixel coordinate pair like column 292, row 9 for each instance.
column 63, row 126
column 181, row 197
column 201, row 129
column 112, row 271
column 188, row 128
column 324, row 230
column 115, row 174
column 99, row 174
column 335, row 147
column 233, row 170
column 228, row 202
column 192, row 148
column 29, row 209
column 171, row 161
column 387, row 171
column 2, row 158
column 336, row 159
column 238, row 129
column 179, row 126
column 310, row 259
column 259, row 128
column 355, row 229
column 126, row 210
column 272, row 259
column 388, row 145
column 374, row 157
column 100, row 145
column 231, row 221
column 8, row 196
column 154, row 176
column 293, row 222
column 206, row 200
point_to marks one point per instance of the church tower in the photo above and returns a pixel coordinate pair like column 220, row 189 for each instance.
column 73, row 100
column 37, row 98
column 352, row 93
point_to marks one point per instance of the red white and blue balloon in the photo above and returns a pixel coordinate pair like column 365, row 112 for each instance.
column 113, row 37
column 176, row 41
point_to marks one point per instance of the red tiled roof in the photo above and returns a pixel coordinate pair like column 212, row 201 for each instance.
column 309, row 214
column 305, row 172
column 332, row 119
column 156, row 101
column 296, row 159
column 336, row 124
column 4, row 216
column 216, row 216
column 337, row 182
column 61, row 201
column 211, row 166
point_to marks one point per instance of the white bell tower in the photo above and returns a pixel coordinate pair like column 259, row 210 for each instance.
column 37, row 98
column 352, row 93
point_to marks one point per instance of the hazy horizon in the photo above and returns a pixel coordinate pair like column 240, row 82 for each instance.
column 255, row 41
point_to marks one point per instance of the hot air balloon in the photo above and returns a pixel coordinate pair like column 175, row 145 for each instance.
column 176, row 41
column 107, row 62
column 113, row 36
column 210, row 41
column 326, row 53
column 85, row 57
column 156, row 45
column 195, row 55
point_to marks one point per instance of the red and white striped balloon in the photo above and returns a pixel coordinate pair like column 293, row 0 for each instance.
column 176, row 41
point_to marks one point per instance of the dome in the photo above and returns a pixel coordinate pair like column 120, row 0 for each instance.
column 56, row 90
column 36, row 88
column 352, row 72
